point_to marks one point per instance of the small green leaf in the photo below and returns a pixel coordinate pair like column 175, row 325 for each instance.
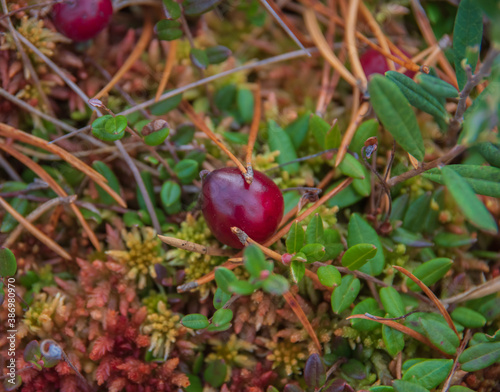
column 441, row 336
column 319, row 128
column 186, row 170
column 225, row 97
column 360, row 232
column 396, row 114
column 363, row 186
column 351, row 167
column 406, row 386
column 365, row 131
column 199, row 58
column 392, row 301
column 236, row 137
column 480, row 356
column 394, row 340
column 198, row 7
column 329, row 276
column 459, row 388
column 333, row 138
column 490, row 152
column 473, row 209
column 173, row 9
column 280, row 141
column 245, row 103
column 255, row 262
column 275, row 284
column 8, row 264
column 429, row 374
column 195, row 321
column 166, row 105
column 452, row 240
column 345, row 294
column 170, row 194
column 313, row 252
column 484, row 180
column 220, row 298
column 9, row 223
column 416, row 214
column 295, row 238
column 468, row 33
column 358, row 255
column 222, row 317
column 217, row 54
column 437, row 87
column 224, row 277
column 468, row 318
column 109, row 128
column 430, row 272
column 370, row 306
column 168, row 30
column 297, row 269
column 157, row 137
column 314, row 231
column 215, row 373
column 297, row 130
column 241, row 287
column 417, row 96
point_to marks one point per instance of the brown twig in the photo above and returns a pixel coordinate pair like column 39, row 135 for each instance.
column 463, row 345
column 432, row 297
column 254, row 129
column 193, row 247
column 169, row 65
column 34, row 231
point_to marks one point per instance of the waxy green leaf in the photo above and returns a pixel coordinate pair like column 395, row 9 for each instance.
column 351, row 167
column 275, row 284
column 222, row 317
column 396, row 114
column 314, row 231
column 195, row 321
column 406, row 386
column 392, row 301
column 394, row 340
column 295, row 238
column 369, row 305
column 297, row 269
column 329, row 276
column 313, row 252
column 280, row 141
column 437, row 87
column 441, row 336
column 468, row 318
column 429, row 374
column 430, row 272
column 255, row 261
column 358, row 255
column 480, row 356
column 473, row 209
column 224, row 277
column 109, row 128
column 8, row 264
column 345, row 294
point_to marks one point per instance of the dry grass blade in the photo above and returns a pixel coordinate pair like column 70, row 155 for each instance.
column 254, row 127
column 377, row 31
column 352, row 48
column 35, row 214
column 353, row 126
column 400, row 327
column 193, row 247
column 10, row 132
column 200, row 124
column 147, row 32
column 324, row 48
column 34, row 231
column 487, row 288
column 431, row 296
column 292, row 302
column 172, row 49
column 54, row 186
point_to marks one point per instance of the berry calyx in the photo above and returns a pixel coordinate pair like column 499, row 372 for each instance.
column 374, row 62
column 81, row 20
column 229, row 201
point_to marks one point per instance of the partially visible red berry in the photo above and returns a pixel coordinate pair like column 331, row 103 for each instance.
column 228, row 201
column 81, row 20
column 374, row 62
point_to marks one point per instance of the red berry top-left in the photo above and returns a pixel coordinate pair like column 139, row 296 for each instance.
column 81, row 20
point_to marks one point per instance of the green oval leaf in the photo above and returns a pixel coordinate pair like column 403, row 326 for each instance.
column 245, row 103
column 255, row 261
column 217, row 54
column 329, row 276
column 195, row 321
column 170, row 194
column 275, row 284
column 345, row 294
column 157, row 137
column 215, row 373
column 429, row 374
column 468, row 318
column 406, row 386
column 295, row 238
column 437, row 87
column 280, row 141
column 168, row 30
column 173, row 9
column 220, row 298
column 297, row 269
column 441, row 336
column 313, row 252
column 314, row 231
column 198, row 7
column 186, row 170
column 358, row 255
column 241, row 287
column 417, row 96
column 490, row 152
column 480, row 356
column 222, row 317
column 370, row 306
column 392, row 301
column 360, row 232
column 297, row 130
column 396, row 114
column 351, row 167
column 104, row 170
column 199, row 58
column 223, row 277
column 430, row 272
column 8, row 264
column 109, row 128
column 473, row 209
column 394, row 340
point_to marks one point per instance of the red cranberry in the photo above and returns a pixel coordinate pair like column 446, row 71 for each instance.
column 227, row 201
column 374, row 62
column 81, row 20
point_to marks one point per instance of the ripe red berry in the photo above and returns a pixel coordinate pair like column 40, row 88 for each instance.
column 81, row 20
column 374, row 62
column 227, row 201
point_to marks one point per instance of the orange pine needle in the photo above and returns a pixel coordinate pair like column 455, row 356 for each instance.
column 54, row 186
column 33, row 230
column 431, row 296
column 352, row 48
column 147, row 33
column 200, row 124
column 168, row 69
column 254, row 127
column 353, row 126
